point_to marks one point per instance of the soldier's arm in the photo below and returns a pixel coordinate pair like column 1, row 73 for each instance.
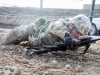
column 58, row 29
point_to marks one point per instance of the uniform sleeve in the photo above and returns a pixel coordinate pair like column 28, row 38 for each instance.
column 58, row 29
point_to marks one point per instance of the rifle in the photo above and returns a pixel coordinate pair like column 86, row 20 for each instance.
column 60, row 46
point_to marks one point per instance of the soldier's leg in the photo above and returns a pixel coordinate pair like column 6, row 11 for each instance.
column 17, row 34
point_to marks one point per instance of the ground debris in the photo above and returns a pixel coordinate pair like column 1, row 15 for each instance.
column 13, row 57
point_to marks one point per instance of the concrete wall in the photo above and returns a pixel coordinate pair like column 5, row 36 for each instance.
column 88, row 6
column 19, row 15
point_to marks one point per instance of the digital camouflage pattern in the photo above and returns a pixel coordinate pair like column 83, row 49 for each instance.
column 43, row 32
column 37, row 33
column 82, row 24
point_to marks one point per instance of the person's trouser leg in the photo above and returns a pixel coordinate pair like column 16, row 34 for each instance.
column 18, row 34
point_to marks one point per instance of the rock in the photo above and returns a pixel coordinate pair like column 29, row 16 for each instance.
column 60, row 65
column 12, row 70
column 1, row 66
column 25, row 61
column 68, row 66
column 54, row 62
column 7, row 72
column 7, row 67
column 2, row 47
column 1, row 72
column 69, row 60
column 80, row 58
column 15, row 71
column 79, row 68
column 89, row 56
column 24, row 49
column 19, row 52
column 27, row 66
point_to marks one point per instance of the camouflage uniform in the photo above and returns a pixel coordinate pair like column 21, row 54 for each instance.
column 43, row 32
column 46, row 33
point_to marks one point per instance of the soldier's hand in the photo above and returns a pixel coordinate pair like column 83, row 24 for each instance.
column 69, row 41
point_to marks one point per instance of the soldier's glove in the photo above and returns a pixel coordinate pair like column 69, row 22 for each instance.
column 69, row 41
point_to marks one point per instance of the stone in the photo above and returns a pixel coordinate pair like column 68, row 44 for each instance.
column 60, row 65
column 7, row 67
column 27, row 65
column 68, row 66
column 79, row 68
column 15, row 70
column 7, row 72
column 1, row 72
column 25, row 61
column 54, row 61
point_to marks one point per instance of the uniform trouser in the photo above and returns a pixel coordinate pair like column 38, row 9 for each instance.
column 18, row 34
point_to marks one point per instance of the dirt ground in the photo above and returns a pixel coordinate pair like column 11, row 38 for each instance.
column 58, row 63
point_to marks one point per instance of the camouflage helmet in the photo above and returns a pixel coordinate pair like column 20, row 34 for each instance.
column 82, row 24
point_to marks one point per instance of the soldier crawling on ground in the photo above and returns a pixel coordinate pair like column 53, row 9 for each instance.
column 43, row 32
